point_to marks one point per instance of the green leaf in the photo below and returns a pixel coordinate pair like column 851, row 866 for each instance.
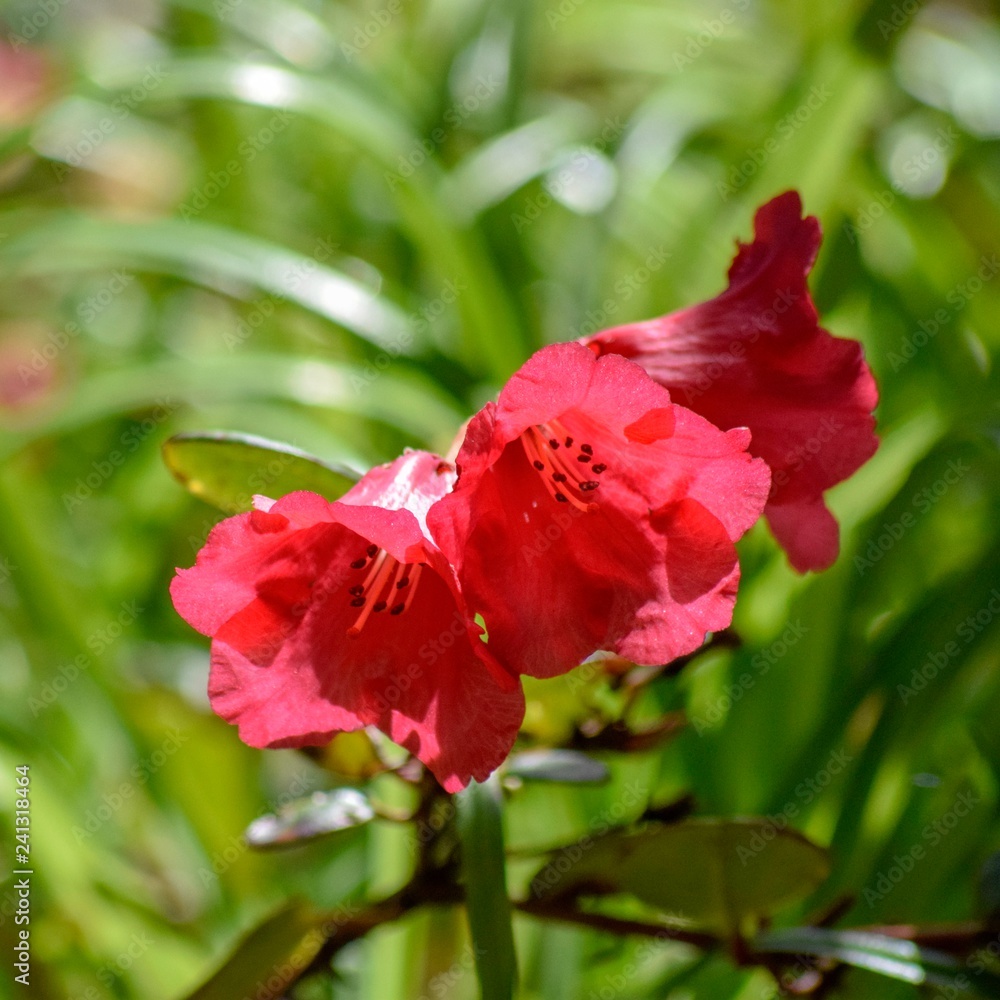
column 558, row 765
column 879, row 953
column 269, row 959
column 706, row 873
column 225, row 260
column 305, row 819
column 226, row 469
column 480, row 825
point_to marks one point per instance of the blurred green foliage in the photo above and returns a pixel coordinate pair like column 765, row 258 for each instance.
column 342, row 225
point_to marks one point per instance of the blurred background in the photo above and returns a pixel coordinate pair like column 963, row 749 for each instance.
column 341, row 225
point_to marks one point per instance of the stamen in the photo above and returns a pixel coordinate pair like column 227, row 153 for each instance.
column 562, row 472
column 599, row 468
column 583, row 458
column 359, row 564
column 371, row 550
column 586, row 449
column 381, row 569
column 414, row 580
column 553, row 443
column 569, row 442
column 378, row 582
column 376, row 567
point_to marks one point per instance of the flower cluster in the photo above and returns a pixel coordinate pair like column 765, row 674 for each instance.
column 416, row 601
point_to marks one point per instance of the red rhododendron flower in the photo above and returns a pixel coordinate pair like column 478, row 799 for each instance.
column 755, row 356
column 326, row 617
column 591, row 513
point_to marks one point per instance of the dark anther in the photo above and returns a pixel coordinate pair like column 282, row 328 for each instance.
column 380, row 606
column 357, row 591
column 561, row 498
column 400, row 584
column 358, row 602
column 553, row 443
column 586, row 449
column 559, row 477
column 397, row 610
column 591, row 484
column 372, row 549
column 538, row 465
column 583, row 458
column 569, row 442
column 599, row 468
column 358, row 563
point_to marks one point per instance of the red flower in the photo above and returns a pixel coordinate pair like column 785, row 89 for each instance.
column 327, row 617
column 755, row 356
column 590, row 513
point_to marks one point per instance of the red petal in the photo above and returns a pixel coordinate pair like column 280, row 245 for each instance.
column 271, row 586
column 556, row 582
column 756, row 357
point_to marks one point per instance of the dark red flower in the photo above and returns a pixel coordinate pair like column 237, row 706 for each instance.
column 591, row 513
column 326, row 617
column 755, row 356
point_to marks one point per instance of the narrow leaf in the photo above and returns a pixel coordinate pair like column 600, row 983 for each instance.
column 879, row 953
column 480, row 825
